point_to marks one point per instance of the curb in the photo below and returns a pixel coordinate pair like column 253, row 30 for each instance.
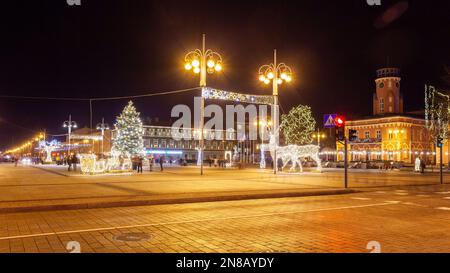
column 170, row 201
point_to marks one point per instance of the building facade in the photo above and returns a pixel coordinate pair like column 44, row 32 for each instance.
column 390, row 134
column 158, row 140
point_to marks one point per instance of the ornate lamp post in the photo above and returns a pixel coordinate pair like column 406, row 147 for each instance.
column 69, row 124
column 102, row 127
column 203, row 61
column 277, row 73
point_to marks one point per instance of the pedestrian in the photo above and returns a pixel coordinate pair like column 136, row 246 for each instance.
column 139, row 164
column 280, row 164
column 74, row 162
column 16, row 160
column 69, row 162
column 161, row 161
column 422, row 166
column 150, row 162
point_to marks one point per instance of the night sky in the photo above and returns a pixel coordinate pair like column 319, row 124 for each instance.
column 123, row 47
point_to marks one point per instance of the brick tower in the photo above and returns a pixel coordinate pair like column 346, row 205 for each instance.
column 387, row 98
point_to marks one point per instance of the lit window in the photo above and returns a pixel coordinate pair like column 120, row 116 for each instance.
column 367, row 134
column 378, row 134
column 381, row 105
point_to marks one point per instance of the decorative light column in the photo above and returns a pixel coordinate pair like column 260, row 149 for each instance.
column 69, row 124
column 203, row 61
column 102, row 127
column 275, row 73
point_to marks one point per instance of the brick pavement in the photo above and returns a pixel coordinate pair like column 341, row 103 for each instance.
column 310, row 224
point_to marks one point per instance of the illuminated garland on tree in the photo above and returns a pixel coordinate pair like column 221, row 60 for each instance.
column 298, row 125
column 129, row 131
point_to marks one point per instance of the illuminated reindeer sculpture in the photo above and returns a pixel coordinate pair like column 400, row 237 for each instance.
column 292, row 153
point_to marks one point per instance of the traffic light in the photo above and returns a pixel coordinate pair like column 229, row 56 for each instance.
column 439, row 142
column 340, row 128
column 352, row 135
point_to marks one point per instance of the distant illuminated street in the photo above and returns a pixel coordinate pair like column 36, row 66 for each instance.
column 397, row 210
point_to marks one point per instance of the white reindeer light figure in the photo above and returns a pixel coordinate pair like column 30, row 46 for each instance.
column 292, row 153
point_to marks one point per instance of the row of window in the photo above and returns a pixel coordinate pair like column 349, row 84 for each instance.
column 367, row 134
column 417, row 135
column 187, row 144
column 382, row 104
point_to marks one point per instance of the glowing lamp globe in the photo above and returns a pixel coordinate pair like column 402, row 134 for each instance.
column 218, row 67
column 188, row 66
column 195, row 63
column 210, row 64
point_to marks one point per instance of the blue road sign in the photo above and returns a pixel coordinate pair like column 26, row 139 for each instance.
column 329, row 120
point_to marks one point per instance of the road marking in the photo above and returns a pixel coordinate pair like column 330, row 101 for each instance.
column 379, row 192
column 448, row 197
column 194, row 221
column 422, row 195
column 393, row 202
column 443, row 208
column 413, row 204
column 401, row 193
column 360, row 198
column 443, row 192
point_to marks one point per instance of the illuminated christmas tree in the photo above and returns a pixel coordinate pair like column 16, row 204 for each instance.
column 129, row 131
column 298, row 125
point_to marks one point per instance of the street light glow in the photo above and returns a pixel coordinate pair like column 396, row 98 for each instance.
column 188, row 66
column 195, row 63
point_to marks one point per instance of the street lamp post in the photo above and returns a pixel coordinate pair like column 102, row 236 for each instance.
column 102, row 127
column 318, row 136
column 203, row 61
column 275, row 73
column 69, row 124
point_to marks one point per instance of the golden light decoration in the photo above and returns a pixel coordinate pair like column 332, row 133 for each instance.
column 203, row 61
column 281, row 73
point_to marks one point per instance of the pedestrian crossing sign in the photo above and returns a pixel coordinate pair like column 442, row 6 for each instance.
column 329, row 120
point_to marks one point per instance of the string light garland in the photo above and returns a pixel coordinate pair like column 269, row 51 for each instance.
column 298, row 125
column 437, row 111
column 216, row 94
